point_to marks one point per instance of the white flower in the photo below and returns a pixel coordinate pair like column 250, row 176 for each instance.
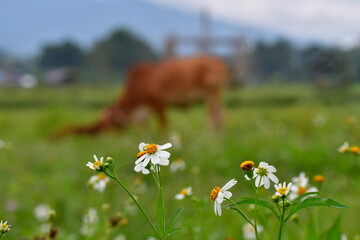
column 300, row 187
column 263, row 174
column 249, row 231
column 344, row 148
column 175, row 139
column 282, row 190
column 90, row 219
column 151, row 153
column 99, row 182
column 219, row 194
column 120, row 237
column 4, row 227
column 183, row 193
column 43, row 212
column 45, row 228
column 177, row 165
column 5, row 145
column 97, row 164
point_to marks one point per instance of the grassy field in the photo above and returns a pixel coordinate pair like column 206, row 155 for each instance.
column 294, row 128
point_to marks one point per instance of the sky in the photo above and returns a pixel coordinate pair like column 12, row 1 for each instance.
column 26, row 25
column 328, row 21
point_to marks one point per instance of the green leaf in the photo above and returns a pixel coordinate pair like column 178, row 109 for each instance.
column 334, row 232
column 175, row 217
column 311, row 233
column 160, row 214
column 257, row 201
column 171, row 230
column 314, row 202
column 304, row 195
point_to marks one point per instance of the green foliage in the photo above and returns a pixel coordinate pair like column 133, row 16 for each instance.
column 334, row 232
column 262, row 124
column 175, row 217
column 260, row 202
column 65, row 54
column 120, row 50
column 314, row 202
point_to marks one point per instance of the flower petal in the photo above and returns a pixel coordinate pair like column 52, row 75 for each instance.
column 165, row 146
column 229, row 184
column 220, row 197
column 273, row 178
column 141, row 158
column 257, row 181
column 164, row 162
column 179, row 196
column 227, row 194
column 155, row 159
column 266, row 182
column 138, row 168
column 145, row 171
column 146, row 161
column 271, row 169
column 141, row 146
column 163, row 154
column 263, row 165
column 218, row 206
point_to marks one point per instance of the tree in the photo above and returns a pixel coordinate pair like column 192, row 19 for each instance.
column 65, row 54
column 119, row 50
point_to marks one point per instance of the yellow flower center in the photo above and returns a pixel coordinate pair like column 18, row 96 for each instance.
column 214, row 193
column 97, row 164
column 262, row 171
column 247, row 165
column 101, row 176
column 140, row 154
column 282, row 190
column 5, row 227
column 138, row 181
column 301, row 191
column 344, row 149
column 355, row 149
column 319, row 178
column 151, row 148
column 184, row 191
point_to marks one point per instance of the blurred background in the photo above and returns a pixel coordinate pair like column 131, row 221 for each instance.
column 292, row 100
column 96, row 41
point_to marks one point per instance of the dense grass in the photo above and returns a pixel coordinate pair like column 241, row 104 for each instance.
column 294, row 128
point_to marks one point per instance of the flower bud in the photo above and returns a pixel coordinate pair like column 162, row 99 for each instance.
column 275, row 198
column 109, row 163
column 105, row 207
column 247, row 165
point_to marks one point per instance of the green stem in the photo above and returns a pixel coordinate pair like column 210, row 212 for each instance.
column 162, row 201
column 135, row 201
column 282, row 219
column 255, row 211
column 240, row 212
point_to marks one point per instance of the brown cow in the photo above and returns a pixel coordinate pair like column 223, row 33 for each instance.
column 159, row 85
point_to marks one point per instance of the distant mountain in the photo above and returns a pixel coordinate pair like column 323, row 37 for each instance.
column 26, row 25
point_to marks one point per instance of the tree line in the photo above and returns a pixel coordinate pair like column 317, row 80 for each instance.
column 279, row 60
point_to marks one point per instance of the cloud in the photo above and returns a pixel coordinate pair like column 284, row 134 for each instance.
column 329, row 21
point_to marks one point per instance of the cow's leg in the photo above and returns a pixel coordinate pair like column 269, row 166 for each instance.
column 159, row 109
